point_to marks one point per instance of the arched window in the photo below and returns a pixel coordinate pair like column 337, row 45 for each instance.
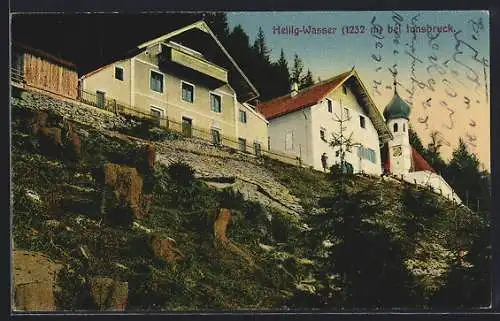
column 404, row 127
column 395, row 127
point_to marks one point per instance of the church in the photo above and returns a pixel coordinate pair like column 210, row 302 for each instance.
column 404, row 161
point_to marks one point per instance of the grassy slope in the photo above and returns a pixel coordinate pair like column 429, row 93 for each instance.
column 209, row 277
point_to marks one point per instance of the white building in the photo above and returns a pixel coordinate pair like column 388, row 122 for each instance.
column 303, row 123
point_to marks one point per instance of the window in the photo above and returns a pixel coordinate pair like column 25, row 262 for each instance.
column 344, row 89
column 289, row 141
column 156, row 81
column 216, row 136
column 367, row 153
column 157, row 114
column 119, row 73
column 187, row 92
column 257, row 149
column 100, row 99
column 187, row 126
column 243, row 116
column 215, row 103
column 329, row 104
column 395, row 127
column 242, row 144
column 322, row 133
column 346, row 114
column 404, row 127
column 362, row 122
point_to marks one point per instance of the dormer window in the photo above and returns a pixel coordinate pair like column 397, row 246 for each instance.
column 395, row 127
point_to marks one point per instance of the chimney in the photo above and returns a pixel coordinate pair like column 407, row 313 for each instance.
column 294, row 89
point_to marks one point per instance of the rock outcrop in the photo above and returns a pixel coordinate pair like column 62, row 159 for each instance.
column 74, row 141
column 215, row 164
column 164, row 249
column 123, row 188
column 34, row 281
column 150, row 155
column 221, row 223
column 109, row 294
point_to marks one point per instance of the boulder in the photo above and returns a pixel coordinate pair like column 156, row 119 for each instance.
column 221, row 223
column 34, row 281
column 37, row 121
column 50, row 139
column 125, row 185
column 109, row 294
column 146, row 200
column 74, row 141
column 164, row 249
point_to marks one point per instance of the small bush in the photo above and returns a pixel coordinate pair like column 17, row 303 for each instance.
column 228, row 198
column 181, row 173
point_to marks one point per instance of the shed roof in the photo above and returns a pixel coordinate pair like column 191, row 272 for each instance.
column 42, row 54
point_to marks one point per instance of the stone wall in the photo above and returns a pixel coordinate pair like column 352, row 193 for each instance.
column 76, row 111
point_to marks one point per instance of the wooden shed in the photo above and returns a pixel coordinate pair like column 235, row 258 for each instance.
column 41, row 70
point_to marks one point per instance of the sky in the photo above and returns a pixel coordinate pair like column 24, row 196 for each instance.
column 441, row 58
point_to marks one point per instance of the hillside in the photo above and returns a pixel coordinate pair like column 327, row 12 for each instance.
column 206, row 227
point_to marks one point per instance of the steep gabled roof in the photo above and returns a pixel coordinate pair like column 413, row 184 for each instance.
column 306, row 97
column 199, row 25
column 314, row 94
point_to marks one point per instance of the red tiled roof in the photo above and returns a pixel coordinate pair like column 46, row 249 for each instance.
column 304, row 98
column 419, row 163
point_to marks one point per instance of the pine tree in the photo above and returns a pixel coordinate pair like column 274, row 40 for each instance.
column 297, row 69
column 415, row 141
column 464, row 175
column 307, row 80
column 260, row 46
column 239, row 48
column 282, row 74
column 217, row 21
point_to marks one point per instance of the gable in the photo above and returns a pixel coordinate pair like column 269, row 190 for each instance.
column 314, row 94
column 198, row 37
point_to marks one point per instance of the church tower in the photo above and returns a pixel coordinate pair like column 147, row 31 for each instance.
column 397, row 116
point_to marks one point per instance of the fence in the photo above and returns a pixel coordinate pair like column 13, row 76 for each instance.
column 185, row 128
column 17, row 76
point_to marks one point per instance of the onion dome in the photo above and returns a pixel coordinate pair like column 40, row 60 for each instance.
column 397, row 107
